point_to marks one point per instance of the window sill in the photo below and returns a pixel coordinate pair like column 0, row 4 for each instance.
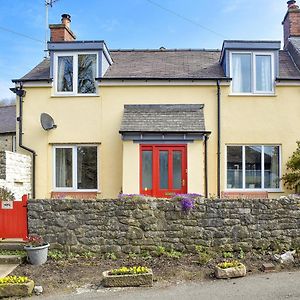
column 74, row 95
column 253, row 190
column 252, row 95
column 74, row 195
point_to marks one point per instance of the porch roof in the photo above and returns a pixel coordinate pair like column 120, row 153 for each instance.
column 169, row 118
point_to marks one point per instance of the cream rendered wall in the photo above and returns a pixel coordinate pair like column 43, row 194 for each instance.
column 195, row 153
column 113, row 100
column 97, row 120
column 131, row 167
column 245, row 120
column 261, row 120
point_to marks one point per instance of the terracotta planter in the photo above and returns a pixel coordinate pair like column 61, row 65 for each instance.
column 233, row 272
column 145, row 279
column 16, row 289
column 37, row 255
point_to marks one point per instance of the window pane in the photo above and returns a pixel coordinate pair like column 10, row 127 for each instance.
column 271, row 155
column 177, row 169
column 263, row 73
column 63, row 160
column 65, row 74
column 253, row 167
column 147, row 170
column 87, row 167
column 163, row 170
column 87, row 73
column 234, row 167
column 241, row 73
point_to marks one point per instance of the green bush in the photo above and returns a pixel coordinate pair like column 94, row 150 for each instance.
column 292, row 178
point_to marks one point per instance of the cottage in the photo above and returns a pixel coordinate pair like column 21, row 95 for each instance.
column 162, row 121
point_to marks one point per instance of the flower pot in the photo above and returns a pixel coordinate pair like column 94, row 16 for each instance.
column 37, row 255
column 233, row 272
column 129, row 280
column 16, row 289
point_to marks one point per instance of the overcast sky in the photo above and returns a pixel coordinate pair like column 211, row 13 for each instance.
column 132, row 24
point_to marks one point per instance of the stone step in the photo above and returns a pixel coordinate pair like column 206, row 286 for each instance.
column 9, row 245
column 12, row 259
column 5, row 270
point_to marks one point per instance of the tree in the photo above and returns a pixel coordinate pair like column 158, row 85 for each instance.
column 292, row 178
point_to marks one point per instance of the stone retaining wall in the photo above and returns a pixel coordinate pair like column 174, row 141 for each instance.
column 124, row 226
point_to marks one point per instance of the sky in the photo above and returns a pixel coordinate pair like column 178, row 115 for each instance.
column 132, row 24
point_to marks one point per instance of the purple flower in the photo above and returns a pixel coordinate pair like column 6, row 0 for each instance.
column 187, row 203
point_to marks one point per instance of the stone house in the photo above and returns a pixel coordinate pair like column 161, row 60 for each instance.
column 162, row 121
column 8, row 128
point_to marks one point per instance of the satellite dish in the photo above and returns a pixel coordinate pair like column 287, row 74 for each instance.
column 47, row 122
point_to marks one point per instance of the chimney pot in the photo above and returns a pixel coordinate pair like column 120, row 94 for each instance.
column 62, row 32
column 66, row 20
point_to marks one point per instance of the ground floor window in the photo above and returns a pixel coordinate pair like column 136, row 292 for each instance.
column 75, row 167
column 253, row 167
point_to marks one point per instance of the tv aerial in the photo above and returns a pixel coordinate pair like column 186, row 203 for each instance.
column 47, row 122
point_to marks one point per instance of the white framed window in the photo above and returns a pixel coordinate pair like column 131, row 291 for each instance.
column 75, row 73
column 253, row 167
column 252, row 72
column 75, row 168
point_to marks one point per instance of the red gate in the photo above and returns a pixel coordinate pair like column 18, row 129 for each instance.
column 13, row 219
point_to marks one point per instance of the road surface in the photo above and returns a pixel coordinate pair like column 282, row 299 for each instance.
column 269, row 286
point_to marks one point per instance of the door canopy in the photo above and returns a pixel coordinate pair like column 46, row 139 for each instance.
column 173, row 122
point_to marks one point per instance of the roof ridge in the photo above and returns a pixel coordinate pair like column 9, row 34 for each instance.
column 166, row 50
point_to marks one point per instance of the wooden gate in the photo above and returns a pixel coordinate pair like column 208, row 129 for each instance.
column 13, row 219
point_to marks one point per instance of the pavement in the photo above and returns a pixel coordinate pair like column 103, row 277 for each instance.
column 7, row 269
column 269, row 286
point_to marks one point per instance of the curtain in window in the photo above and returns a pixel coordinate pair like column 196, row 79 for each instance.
column 63, row 170
column 65, row 74
column 263, row 73
column 87, row 73
column 241, row 73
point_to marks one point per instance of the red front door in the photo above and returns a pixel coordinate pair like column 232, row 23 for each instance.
column 163, row 171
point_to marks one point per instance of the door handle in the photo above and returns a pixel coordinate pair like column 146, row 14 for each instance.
column 183, row 182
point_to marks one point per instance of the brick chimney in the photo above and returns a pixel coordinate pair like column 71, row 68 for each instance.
column 291, row 22
column 62, row 32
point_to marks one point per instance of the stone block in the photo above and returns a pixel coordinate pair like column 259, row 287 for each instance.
column 234, row 272
column 133, row 280
column 16, row 289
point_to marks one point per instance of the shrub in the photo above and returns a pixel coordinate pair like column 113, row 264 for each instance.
column 292, row 178
column 6, row 194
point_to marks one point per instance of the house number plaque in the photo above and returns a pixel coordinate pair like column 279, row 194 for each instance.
column 7, row 204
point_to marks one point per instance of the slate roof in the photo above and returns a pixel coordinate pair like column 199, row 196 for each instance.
column 8, row 119
column 294, row 50
column 163, row 118
column 165, row 64
column 288, row 68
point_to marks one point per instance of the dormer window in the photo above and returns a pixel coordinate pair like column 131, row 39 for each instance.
column 75, row 73
column 252, row 73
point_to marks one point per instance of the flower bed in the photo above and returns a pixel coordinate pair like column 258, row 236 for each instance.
column 128, row 276
column 230, row 269
column 13, row 286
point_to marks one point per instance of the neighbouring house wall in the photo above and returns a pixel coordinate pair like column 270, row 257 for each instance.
column 15, row 173
column 7, row 142
column 124, row 226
